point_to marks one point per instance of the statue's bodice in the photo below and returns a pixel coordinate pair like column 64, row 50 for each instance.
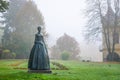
column 38, row 38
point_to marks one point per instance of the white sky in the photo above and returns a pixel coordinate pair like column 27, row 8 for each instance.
column 67, row 16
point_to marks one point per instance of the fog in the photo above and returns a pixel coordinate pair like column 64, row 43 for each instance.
column 60, row 16
column 67, row 16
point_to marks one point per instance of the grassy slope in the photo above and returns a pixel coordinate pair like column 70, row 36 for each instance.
column 17, row 70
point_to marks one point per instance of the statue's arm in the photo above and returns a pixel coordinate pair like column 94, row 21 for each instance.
column 44, row 44
column 35, row 37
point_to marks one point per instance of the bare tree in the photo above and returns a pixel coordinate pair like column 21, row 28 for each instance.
column 103, row 21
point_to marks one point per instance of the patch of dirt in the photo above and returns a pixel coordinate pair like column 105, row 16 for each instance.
column 17, row 63
column 20, row 68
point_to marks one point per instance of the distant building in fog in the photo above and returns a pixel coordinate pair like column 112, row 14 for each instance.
column 116, row 55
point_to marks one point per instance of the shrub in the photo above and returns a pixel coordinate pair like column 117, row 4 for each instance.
column 14, row 55
column 65, row 55
column 6, row 51
column 7, row 54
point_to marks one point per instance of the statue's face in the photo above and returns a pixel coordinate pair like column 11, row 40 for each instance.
column 39, row 28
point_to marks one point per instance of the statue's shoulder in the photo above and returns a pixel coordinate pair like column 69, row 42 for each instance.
column 39, row 35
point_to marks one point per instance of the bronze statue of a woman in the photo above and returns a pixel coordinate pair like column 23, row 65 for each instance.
column 39, row 59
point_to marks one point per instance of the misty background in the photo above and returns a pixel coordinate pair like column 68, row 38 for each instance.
column 68, row 16
column 58, row 17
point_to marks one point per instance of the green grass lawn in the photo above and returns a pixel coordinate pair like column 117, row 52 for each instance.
column 17, row 70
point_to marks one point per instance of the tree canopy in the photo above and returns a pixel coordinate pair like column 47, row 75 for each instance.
column 26, row 21
column 21, row 22
column 66, row 43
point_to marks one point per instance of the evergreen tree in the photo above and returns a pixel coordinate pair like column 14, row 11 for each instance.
column 26, row 21
column 3, row 5
column 14, row 7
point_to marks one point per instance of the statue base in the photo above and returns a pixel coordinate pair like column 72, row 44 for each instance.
column 39, row 71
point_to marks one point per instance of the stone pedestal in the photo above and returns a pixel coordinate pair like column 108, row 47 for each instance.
column 40, row 71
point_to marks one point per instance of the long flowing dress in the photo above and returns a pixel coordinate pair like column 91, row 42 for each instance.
column 39, row 59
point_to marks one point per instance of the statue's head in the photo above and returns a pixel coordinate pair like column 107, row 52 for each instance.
column 39, row 29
